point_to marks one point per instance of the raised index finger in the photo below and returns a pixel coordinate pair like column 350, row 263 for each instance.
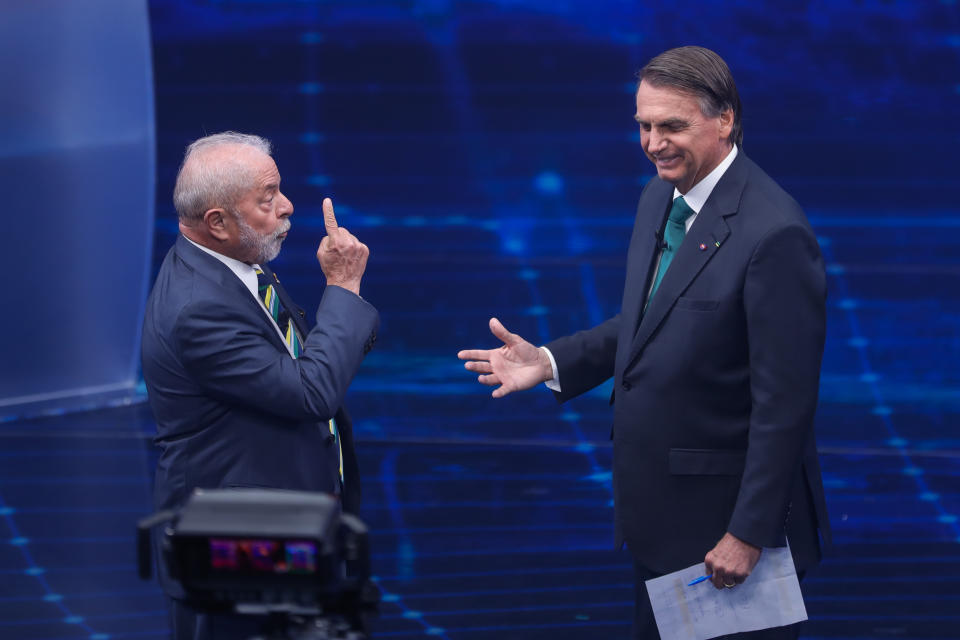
column 329, row 220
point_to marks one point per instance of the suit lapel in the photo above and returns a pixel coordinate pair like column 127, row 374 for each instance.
column 228, row 282
column 210, row 267
column 707, row 236
column 643, row 251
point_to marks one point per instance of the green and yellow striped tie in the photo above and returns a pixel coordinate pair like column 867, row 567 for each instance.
column 268, row 294
column 336, row 435
column 280, row 315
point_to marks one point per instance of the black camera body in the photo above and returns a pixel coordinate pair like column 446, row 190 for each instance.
column 266, row 552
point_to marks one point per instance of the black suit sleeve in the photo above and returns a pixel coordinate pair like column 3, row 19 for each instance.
column 784, row 302
column 586, row 358
column 229, row 358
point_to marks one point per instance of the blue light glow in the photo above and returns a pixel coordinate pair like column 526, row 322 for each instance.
column 548, row 183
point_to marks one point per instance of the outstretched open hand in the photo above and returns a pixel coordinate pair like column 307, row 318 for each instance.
column 515, row 366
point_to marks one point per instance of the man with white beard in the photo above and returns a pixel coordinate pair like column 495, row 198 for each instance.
column 244, row 393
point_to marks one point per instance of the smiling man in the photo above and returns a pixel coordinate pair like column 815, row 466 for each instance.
column 715, row 353
column 244, row 393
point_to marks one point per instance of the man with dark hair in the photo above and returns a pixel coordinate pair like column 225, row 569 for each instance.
column 244, row 393
column 715, row 353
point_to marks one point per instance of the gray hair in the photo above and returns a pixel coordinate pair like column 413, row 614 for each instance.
column 203, row 185
column 703, row 74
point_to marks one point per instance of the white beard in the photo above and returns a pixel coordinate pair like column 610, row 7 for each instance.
column 265, row 246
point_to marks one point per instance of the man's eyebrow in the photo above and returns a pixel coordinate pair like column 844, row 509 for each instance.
column 674, row 123
column 671, row 123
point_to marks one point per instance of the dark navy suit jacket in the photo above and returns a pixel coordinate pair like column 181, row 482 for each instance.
column 233, row 409
column 716, row 382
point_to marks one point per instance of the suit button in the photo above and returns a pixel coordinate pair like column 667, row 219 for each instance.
column 626, row 386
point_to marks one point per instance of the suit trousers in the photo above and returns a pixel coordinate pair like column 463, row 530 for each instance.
column 645, row 625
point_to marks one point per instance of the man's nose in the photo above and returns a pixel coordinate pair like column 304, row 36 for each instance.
column 655, row 141
column 286, row 207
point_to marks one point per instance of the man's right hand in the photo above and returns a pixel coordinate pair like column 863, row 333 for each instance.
column 515, row 366
column 342, row 257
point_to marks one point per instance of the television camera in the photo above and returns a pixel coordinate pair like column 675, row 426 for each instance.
column 290, row 556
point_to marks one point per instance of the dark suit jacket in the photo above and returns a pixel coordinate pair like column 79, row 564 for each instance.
column 233, row 409
column 716, row 383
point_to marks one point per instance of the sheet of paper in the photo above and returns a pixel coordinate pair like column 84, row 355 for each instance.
column 770, row 597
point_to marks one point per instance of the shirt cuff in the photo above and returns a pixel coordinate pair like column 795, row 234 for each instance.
column 554, row 383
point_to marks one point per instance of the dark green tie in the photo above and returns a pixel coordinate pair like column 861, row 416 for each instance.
column 672, row 236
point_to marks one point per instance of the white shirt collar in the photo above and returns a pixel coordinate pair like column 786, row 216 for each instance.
column 244, row 271
column 698, row 194
column 248, row 276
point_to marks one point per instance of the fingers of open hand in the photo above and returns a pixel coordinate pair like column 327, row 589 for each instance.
column 501, row 391
column 479, row 366
column 489, row 380
column 500, row 331
column 474, row 354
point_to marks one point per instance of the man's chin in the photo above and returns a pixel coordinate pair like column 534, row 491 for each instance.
column 670, row 175
column 676, row 178
column 271, row 254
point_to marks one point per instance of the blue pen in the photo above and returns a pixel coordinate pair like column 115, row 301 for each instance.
column 698, row 580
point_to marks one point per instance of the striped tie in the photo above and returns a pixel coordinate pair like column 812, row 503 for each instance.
column 280, row 315
column 336, row 436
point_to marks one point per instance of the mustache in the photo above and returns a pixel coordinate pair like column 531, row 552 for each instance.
column 283, row 228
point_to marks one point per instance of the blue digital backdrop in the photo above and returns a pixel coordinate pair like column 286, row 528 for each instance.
column 77, row 164
column 487, row 154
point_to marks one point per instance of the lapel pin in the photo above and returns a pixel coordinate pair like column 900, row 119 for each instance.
column 718, row 244
column 703, row 247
